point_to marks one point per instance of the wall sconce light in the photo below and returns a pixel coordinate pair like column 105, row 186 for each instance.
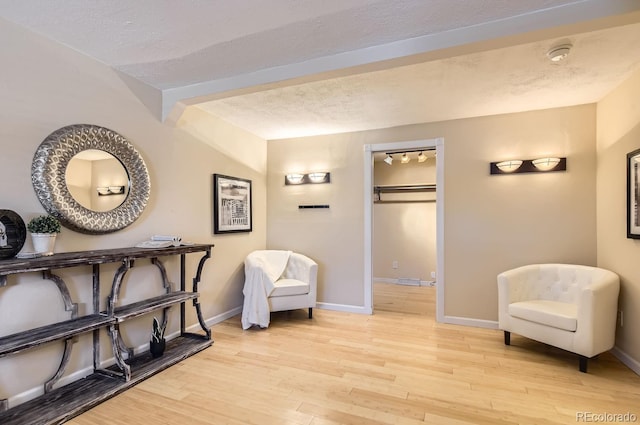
column 110, row 190
column 317, row 177
column 388, row 159
column 310, row 178
column 539, row 165
column 545, row 164
column 294, row 178
column 509, row 166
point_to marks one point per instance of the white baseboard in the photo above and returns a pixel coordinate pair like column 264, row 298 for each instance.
column 25, row 396
column 218, row 318
column 465, row 321
column 344, row 307
column 405, row 281
column 626, row 359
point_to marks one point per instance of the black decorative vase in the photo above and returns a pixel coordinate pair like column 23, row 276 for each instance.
column 156, row 348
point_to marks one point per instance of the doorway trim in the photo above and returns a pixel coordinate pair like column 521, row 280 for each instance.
column 369, row 150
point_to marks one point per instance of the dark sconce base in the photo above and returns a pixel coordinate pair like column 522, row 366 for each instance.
column 528, row 167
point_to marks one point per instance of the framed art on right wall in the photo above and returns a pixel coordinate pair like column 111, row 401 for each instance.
column 633, row 194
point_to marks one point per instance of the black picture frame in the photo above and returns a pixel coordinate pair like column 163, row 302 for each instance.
column 232, row 204
column 633, row 194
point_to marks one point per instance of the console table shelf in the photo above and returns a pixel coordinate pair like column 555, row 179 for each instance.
column 146, row 306
column 58, row 405
column 61, row 330
column 73, row 399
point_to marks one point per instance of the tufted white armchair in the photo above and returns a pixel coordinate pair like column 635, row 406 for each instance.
column 277, row 280
column 571, row 307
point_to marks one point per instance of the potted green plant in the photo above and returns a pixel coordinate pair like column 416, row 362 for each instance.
column 157, row 343
column 44, row 229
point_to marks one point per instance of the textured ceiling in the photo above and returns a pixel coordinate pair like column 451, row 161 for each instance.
column 169, row 44
column 513, row 79
column 192, row 51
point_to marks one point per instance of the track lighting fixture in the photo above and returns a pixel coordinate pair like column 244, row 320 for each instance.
column 405, row 155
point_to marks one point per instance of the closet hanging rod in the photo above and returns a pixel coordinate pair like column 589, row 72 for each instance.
column 406, row 201
column 405, row 188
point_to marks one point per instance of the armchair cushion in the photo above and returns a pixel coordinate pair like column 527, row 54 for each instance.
column 286, row 287
column 550, row 313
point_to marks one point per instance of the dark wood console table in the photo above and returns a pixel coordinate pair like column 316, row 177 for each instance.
column 58, row 405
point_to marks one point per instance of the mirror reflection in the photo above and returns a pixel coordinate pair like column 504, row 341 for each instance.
column 97, row 180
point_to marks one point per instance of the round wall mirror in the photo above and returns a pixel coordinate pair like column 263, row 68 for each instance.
column 91, row 178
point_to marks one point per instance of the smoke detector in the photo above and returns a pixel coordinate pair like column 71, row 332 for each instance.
column 559, row 53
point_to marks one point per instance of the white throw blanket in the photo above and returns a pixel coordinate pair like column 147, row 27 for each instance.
column 262, row 269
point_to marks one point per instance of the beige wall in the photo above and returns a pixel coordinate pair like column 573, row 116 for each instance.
column 332, row 237
column 46, row 86
column 618, row 133
column 404, row 232
column 492, row 223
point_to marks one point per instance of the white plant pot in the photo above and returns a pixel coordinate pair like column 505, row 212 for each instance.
column 43, row 243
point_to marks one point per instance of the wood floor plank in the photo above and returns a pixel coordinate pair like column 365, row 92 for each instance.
column 397, row 366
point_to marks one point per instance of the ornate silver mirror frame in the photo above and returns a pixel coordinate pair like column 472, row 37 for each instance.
column 48, row 177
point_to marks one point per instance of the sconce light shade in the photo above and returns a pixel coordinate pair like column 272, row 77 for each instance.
column 388, row 159
column 405, row 158
column 294, row 178
column 422, row 157
column 509, row 166
column 317, row 177
column 545, row 164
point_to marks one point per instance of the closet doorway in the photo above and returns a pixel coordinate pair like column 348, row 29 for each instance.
column 404, row 231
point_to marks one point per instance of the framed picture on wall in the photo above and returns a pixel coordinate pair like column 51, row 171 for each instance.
column 231, row 204
column 633, row 194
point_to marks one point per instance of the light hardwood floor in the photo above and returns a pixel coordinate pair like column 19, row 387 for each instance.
column 397, row 366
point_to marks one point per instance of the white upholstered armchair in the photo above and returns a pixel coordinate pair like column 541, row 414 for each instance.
column 571, row 307
column 277, row 280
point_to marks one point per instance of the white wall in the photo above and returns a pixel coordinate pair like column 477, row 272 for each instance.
column 492, row 223
column 619, row 134
column 46, row 86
